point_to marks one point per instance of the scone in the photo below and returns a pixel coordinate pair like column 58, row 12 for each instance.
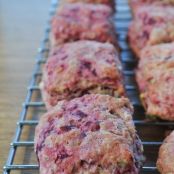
column 152, row 25
column 80, row 21
column 93, row 134
column 155, row 78
column 106, row 2
column 165, row 163
column 79, row 68
column 134, row 4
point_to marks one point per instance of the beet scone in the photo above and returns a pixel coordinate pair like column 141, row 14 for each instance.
column 134, row 4
column 106, row 2
column 93, row 134
column 152, row 25
column 79, row 68
column 165, row 163
column 80, row 21
column 155, row 77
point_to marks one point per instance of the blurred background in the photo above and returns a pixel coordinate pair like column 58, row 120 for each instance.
column 22, row 25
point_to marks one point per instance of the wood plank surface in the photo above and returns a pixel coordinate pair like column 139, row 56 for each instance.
column 21, row 29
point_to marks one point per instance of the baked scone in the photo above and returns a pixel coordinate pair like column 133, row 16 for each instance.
column 152, row 25
column 80, row 21
column 134, row 4
column 165, row 163
column 155, row 78
column 81, row 67
column 106, row 2
column 93, row 134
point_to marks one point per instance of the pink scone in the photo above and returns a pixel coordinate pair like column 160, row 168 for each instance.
column 165, row 163
column 152, row 25
column 93, row 134
column 79, row 68
column 80, row 21
column 135, row 4
column 155, row 77
column 106, row 2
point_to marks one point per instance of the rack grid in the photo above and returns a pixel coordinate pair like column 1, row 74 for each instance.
column 151, row 133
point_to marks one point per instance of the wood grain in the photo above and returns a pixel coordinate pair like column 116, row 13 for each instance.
column 21, row 29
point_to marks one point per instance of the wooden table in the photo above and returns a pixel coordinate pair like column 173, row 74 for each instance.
column 21, row 29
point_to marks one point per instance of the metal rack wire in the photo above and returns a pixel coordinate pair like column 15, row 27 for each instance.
column 151, row 133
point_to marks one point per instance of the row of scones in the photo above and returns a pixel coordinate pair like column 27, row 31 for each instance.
column 151, row 37
column 88, row 128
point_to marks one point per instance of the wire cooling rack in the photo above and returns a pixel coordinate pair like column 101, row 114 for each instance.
column 151, row 133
